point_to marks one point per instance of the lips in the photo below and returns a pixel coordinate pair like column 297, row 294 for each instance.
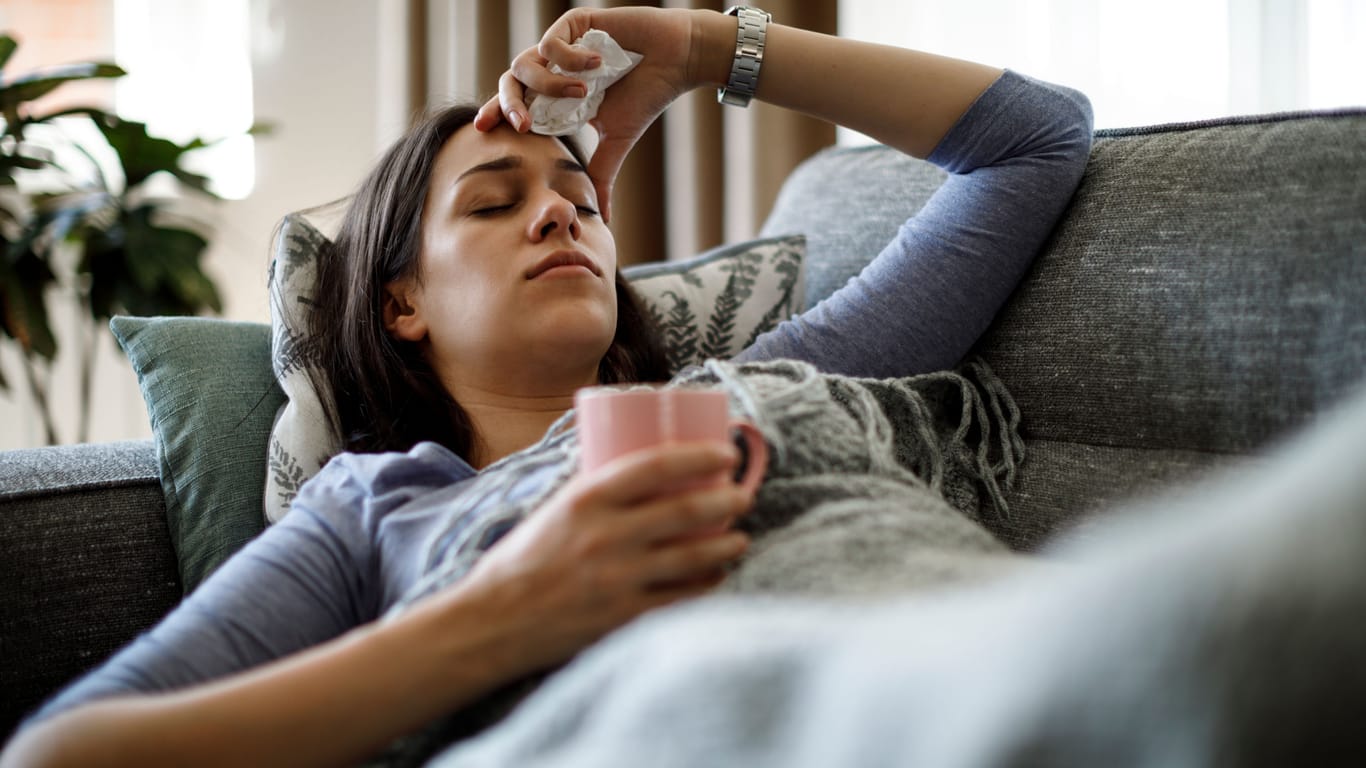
column 563, row 258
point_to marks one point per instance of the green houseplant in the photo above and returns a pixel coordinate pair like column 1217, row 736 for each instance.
column 107, row 240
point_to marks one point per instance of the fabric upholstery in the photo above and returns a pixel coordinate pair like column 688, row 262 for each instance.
column 848, row 202
column 211, row 400
column 1201, row 296
column 87, row 563
column 1064, row 485
column 1210, row 301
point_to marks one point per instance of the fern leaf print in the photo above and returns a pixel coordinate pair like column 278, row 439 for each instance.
column 286, row 472
column 680, row 332
column 786, row 262
column 721, row 326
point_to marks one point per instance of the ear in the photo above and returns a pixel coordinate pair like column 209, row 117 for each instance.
column 401, row 316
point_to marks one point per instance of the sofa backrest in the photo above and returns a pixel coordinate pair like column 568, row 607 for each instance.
column 1204, row 294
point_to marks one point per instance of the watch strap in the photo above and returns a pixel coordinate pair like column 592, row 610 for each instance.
column 750, row 36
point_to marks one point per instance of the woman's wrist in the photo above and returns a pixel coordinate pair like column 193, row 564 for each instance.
column 713, row 48
column 461, row 631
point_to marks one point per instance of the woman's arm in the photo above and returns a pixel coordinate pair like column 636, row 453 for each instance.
column 906, row 99
column 1015, row 147
column 604, row 549
column 903, row 98
column 1015, row 158
column 328, row 705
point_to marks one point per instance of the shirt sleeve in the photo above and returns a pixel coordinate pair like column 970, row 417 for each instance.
column 303, row 581
column 1014, row 159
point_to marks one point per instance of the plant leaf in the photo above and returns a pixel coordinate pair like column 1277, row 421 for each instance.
column 94, row 113
column 141, row 154
column 194, row 180
column 9, row 162
column 36, row 84
column 70, row 211
column 142, row 268
column 7, row 47
column 24, row 278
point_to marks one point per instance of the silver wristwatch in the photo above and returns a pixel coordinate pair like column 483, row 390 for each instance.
column 749, row 55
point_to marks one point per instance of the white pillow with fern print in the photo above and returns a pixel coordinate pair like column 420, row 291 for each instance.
column 713, row 305
column 716, row 304
column 302, row 439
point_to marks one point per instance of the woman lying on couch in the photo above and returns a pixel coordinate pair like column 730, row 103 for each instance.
column 447, row 354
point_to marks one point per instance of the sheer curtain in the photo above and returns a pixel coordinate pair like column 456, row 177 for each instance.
column 698, row 178
column 1145, row 63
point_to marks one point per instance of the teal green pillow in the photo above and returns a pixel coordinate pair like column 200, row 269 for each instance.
column 211, row 398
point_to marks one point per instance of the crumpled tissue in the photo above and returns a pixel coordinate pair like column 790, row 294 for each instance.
column 556, row 116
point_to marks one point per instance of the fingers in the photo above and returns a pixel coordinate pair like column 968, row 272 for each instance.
column 570, row 58
column 604, row 166
column 508, row 105
column 642, row 475
column 688, row 514
column 489, row 115
column 694, row 560
column 557, row 43
column 511, row 99
column 530, row 71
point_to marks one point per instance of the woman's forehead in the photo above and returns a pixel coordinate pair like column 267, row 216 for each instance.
column 469, row 148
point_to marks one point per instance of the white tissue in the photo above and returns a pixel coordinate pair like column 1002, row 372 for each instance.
column 555, row 116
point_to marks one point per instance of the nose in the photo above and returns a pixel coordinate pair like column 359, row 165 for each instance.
column 553, row 212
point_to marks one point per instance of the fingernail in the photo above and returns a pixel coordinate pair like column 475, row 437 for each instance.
column 575, row 91
column 594, row 61
column 516, row 119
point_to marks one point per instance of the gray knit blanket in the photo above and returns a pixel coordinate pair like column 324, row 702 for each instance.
column 873, row 487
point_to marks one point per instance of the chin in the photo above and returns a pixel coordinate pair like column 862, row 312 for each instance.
column 577, row 330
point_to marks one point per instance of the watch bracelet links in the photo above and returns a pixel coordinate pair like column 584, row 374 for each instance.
column 750, row 38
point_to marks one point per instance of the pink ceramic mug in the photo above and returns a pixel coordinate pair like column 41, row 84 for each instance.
column 614, row 421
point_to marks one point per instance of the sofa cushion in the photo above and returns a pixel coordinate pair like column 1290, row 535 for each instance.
column 1204, row 291
column 1201, row 295
column 211, row 400
column 849, row 202
column 87, row 563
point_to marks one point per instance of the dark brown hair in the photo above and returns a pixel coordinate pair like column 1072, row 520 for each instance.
column 385, row 395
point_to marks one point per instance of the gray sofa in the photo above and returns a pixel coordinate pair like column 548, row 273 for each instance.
column 1204, row 295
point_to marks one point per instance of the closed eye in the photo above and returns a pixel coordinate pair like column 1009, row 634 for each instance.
column 490, row 210
column 587, row 210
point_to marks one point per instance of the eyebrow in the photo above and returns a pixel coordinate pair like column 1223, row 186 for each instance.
column 513, row 162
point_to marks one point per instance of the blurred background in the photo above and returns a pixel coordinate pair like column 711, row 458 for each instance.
column 337, row 80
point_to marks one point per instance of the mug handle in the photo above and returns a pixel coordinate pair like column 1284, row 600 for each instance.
column 756, row 453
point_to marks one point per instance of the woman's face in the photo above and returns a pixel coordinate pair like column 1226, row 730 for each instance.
column 517, row 267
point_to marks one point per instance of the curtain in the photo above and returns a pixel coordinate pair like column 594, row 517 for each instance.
column 699, row 177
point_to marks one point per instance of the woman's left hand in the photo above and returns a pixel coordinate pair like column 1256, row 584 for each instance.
column 669, row 40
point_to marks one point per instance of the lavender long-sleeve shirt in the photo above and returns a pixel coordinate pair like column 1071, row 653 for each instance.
column 356, row 536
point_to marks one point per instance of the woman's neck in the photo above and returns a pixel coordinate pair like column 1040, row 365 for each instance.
column 501, row 431
column 510, row 407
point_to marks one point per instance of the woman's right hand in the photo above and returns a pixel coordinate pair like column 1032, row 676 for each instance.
column 673, row 47
column 606, row 548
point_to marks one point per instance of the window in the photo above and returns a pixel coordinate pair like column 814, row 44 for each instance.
column 190, row 75
column 1145, row 63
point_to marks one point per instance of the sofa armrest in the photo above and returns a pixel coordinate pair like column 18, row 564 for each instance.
column 87, row 563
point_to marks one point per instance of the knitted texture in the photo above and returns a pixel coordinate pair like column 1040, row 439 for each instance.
column 873, row 487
